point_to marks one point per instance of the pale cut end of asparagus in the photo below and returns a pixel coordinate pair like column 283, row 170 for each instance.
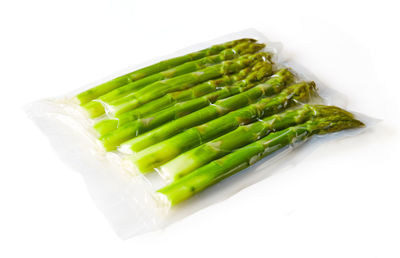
column 162, row 201
column 74, row 100
column 125, row 149
column 127, row 165
column 168, row 173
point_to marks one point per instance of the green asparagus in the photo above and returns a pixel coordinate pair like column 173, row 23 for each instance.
column 199, row 118
column 256, row 72
column 244, row 157
column 101, row 89
column 129, row 130
column 160, row 88
column 158, row 154
column 243, row 135
column 95, row 108
column 221, row 107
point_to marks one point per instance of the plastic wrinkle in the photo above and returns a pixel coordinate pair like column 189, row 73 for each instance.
column 128, row 198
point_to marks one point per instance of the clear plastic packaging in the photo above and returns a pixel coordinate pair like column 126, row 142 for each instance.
column 114, row 174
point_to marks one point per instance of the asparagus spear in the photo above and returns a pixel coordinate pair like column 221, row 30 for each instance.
column 101, row 89
column 244, row 157
column 257, row 72
column 158, row 154
column 243, row 135
column 221, row 107
column 127, row 131
column 95, row 108
column 160, row 88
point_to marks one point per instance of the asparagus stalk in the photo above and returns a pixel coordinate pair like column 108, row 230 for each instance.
column 101, row 89
column 243, row 135
column 129, row 130
column 244, row 157
column 257, row 72
column 160, row 88
column 95, row 108
column 162, row 152
column 221, row 107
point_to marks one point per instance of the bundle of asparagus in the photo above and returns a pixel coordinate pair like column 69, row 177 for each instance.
column 241, row 158
column 104, row 88
column 159, row 153
column 208, row 113
column 95, row 108
column 199, row 118
column 214, row 89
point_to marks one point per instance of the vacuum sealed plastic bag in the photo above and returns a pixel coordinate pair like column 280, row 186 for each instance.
column 165, row 139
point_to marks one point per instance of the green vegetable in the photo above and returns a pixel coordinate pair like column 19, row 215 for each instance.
column 129, row 130
column 101, row 89
column 243, row 135
column 254, row 73
column 95, row 108
column 158, row 154
column 240, row 159
column 221, row 107
column 185, row 81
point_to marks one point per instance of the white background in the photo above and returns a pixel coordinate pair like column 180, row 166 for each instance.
column 342, row 200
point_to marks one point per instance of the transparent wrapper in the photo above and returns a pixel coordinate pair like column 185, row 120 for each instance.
column 129, row 198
